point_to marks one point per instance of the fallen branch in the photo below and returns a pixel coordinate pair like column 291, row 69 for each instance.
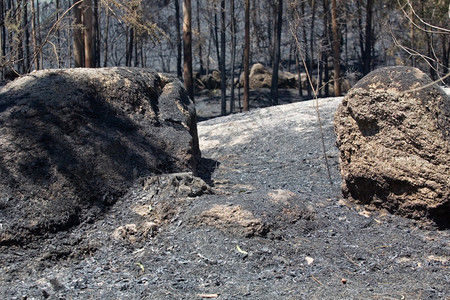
column 316, row 280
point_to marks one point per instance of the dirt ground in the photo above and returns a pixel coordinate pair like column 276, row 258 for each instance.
column 272, row 225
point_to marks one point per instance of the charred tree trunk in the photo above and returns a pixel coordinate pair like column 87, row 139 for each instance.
column 87, row 22
column 179, row 44
column 200, row 42
column 336, row 49
column 105, row 40
column 96, row 34
column 233, row 53
column 78, row 40
column 34, row 37
column 187, row 45
column 2, row 37
column 277, row 42
column 368, row 43
column 223, row 75
column 246, row 55
column 311, row 41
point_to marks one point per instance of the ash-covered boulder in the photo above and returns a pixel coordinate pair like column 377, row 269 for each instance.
column 73, row 141
column 393, row 133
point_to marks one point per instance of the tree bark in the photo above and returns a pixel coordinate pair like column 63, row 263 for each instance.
column 311, row 41
column 78, row 40
column 305, row 43
column 58, row 34
column 96, row 34
column 233, row 53
column 368, row 43
column 325, row 48
column 187, row 44
column 2, row 37
column 105, row 40
column 223, row 75
column 87, row 22
column 277, row 42
column 34, row 37
column 246, row 56
column 179, row 43
column 336, row 49
column 200, row 42
column 26, row 39
column 130, row 47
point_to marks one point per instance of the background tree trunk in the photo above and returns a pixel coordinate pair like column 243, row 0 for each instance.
column 277, row 42
column 223, row 73
column 368, row 43
column 311, row 41
column 336, row 49
column 105, row 39
column 88, row 44
column 34, row 37
column 246, row 55
column 78, row 40
column 200, row 41
column 58, row 34
column 2, row 37
column 187, row 44
column 96, row 34
column 233, row 53
column 178, row 38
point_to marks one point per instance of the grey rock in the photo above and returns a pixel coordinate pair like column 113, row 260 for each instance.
column 393, row 132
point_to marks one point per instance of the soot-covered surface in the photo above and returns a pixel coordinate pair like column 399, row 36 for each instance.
column 270, row 227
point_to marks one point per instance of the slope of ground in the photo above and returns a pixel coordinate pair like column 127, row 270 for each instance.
column 274, row 228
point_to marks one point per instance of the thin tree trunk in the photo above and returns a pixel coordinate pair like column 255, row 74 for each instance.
column 58, row 34
column 305, row 42
column 311, row 39
column 277, row 43
column 179, row 44
column 105, row 40
column 78, row 41
column 26, row 41
column 246, row 55
column 367, row 57
column 199, row 32
column 216, row 36
column 297, row 64
column 38, row 26
column 96, row 34
column 187, row 43
column 336, row 49
column 136, row 57
column 34, row 36
column 233, row 53
column 88, row 45
column 325, row 50
column 20, row 37
column 2, row 37
column 223, row 75
column 130, row 47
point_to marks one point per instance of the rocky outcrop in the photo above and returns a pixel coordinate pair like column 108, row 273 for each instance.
column 73, row 141
column 261, row 77
column 393, row 133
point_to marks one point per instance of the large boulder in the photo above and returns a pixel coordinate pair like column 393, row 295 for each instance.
column 259, row 77
column 73, row 141
column 212, row 80
column 393, row 133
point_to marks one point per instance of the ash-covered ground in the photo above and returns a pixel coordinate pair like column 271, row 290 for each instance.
column 272, row 225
